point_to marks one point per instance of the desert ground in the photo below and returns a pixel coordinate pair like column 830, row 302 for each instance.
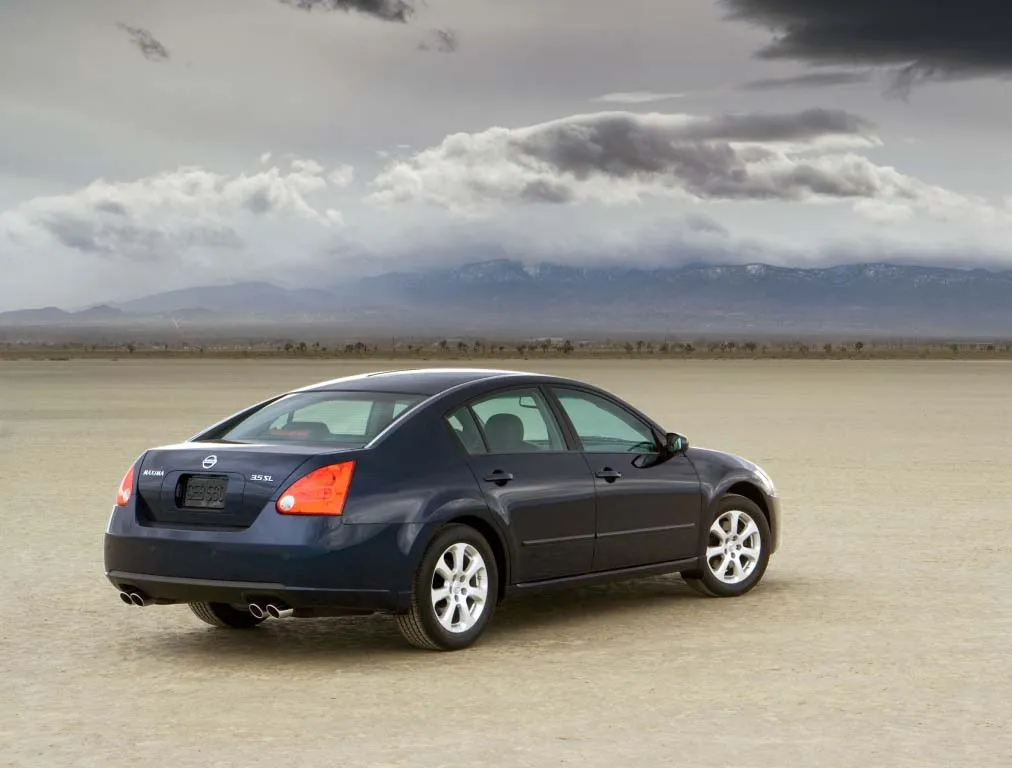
column 879, row 637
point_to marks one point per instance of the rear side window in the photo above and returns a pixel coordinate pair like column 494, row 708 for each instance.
column 518, row 421
column 345, row 419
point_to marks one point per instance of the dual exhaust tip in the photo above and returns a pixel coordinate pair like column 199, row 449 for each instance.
column 135, row 598
column 259, row 611
column 270, row 610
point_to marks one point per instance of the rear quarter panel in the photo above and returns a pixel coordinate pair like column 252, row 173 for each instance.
column 417, row 478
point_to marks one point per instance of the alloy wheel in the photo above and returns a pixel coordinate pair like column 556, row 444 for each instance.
column 459, row 588
column 734, row 547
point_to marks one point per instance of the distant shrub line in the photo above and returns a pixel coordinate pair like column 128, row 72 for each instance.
column 529, row 349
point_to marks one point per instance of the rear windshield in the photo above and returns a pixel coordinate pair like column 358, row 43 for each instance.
column 345, row 419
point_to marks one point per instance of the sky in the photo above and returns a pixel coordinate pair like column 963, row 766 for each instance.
column 149, row 145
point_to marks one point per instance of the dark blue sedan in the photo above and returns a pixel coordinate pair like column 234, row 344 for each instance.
column 431, row 495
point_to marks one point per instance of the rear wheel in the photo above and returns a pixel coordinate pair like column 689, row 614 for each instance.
column 225, row 616
column 454, row 592
column 736, row 552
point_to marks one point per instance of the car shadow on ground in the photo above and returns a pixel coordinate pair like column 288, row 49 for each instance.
column 558, row 616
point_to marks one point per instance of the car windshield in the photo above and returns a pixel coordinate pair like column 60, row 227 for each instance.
column 346, row 419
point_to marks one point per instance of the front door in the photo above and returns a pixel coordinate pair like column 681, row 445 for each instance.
column 520, row 459
column 648, row 507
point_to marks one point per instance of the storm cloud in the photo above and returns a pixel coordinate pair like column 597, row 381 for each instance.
column 387, row 10
column 145, row 42
column 924, row 39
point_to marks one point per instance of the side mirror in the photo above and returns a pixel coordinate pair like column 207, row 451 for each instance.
column 676, row 443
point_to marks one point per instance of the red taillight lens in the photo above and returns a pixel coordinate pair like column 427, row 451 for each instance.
column 321, row 492
column 126, row 488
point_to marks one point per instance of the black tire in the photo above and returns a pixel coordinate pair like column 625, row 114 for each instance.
column 225, row 616
column 421, row 625
column 704, row 580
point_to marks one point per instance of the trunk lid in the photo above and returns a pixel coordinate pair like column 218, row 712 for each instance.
column 217, row 485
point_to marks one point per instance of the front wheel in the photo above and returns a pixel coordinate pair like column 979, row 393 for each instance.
column 736, row 552
column 454, row 592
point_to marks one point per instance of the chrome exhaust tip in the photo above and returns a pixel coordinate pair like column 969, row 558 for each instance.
column 278, row 613
column 138, row 599
column 257, row 610
column 125, row 597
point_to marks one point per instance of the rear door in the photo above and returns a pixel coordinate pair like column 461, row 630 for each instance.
column 517, row 452
column 647, row 508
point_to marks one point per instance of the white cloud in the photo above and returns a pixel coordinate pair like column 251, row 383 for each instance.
column 883, row 212
column 342, row 176
column 619, row 158
column 161, row 215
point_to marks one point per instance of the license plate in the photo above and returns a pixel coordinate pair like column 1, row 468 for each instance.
column 205, row 492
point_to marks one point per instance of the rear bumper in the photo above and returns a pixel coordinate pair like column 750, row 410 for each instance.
column 304, row 563
column 167, row 590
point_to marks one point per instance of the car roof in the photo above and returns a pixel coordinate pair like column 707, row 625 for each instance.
column 423, row 381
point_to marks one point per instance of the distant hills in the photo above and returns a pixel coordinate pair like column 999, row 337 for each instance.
column 505, row 297
column 56, row 316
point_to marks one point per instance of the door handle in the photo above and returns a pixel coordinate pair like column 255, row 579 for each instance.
column 609, row 474
column 499, row 477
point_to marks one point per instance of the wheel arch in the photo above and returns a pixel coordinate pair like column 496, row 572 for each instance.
column 734, row 486
column 474, row 517
column 740, row 485
column 751, row 492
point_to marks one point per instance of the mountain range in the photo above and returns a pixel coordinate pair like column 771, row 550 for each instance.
column 506, row 297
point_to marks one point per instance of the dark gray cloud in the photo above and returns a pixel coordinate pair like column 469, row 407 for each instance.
column 541, row 191
column 120, row 238
column 755, row 126
column 699, row 153
column 923, row 39
column 441, row 40
column 810, row 80
column 387, row 10
column 150, row 48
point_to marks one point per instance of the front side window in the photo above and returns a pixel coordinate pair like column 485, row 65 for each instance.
column 518, row 421
column 604, row 427
column 345, row 419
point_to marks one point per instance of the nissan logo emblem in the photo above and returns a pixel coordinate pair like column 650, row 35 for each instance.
column 209, row 462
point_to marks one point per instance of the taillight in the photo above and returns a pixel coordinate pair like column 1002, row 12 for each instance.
column 126, row 488
column 321, row 492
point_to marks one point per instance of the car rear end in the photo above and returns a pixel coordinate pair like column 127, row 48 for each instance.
column 255, row 522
